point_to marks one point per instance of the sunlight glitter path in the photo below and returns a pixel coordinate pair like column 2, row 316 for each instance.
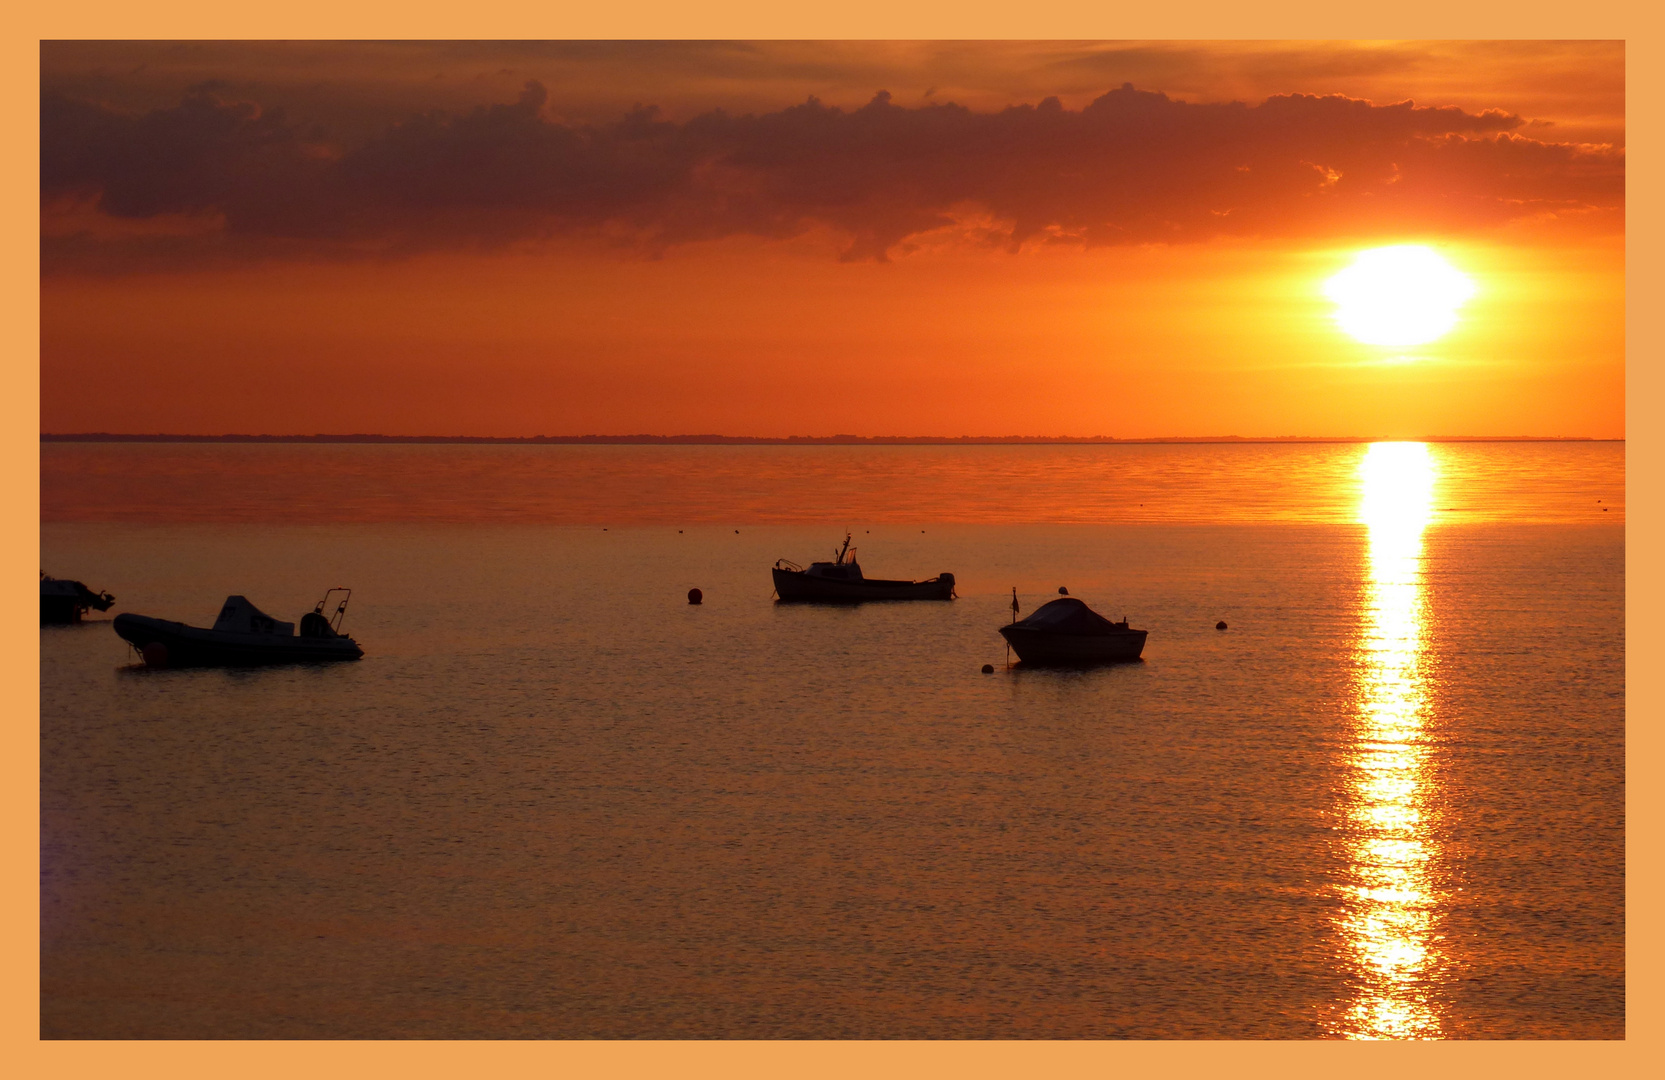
column 1389, row 923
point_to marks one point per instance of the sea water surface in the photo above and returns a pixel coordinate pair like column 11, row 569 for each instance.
column 555, row 800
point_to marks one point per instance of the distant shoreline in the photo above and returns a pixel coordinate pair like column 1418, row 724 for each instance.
column 793, row 440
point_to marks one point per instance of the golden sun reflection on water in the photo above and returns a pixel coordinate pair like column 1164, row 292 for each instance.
column 1388, row 921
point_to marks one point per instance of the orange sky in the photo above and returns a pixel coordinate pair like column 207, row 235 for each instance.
column 410, row 239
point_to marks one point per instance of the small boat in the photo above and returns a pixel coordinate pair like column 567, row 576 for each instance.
column 63, row 601
column 1067, row 631
column 242, row 635
column 841, row 581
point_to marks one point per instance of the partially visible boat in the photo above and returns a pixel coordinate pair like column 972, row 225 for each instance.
column 1067, row 631
column 841, row 581
column 64, row 601
column 243, row 635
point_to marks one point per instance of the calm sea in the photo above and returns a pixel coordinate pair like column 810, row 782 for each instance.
column 555, row 800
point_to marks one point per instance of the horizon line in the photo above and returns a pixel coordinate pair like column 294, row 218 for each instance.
column 799, row 440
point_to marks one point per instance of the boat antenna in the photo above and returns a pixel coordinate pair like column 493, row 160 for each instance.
column 1014, row 620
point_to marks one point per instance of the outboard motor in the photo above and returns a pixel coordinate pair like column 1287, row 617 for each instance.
column 948, row 580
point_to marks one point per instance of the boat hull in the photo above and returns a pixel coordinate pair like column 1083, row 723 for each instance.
column 59, row 610
column 171, row 644
column 1043, row 647
column 795, row 585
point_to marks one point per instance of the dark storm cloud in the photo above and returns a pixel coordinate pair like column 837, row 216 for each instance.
column 202, row 155
column 1131, row 167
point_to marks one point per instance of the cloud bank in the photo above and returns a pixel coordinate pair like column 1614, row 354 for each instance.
column 214, row 177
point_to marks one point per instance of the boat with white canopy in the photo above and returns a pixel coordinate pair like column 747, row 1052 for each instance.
column 1067, row 631
column 242, row 635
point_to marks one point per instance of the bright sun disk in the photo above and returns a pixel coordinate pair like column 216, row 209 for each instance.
column 1402, row 295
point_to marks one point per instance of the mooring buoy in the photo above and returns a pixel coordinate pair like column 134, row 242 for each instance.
column 1063, row 591
column 695, row 596
column 988, row 669
column 1221, row 625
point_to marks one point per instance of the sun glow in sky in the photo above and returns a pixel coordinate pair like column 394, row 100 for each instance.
column 1401, row 295
column 997, row 238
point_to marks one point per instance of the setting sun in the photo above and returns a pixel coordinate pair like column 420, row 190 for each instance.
column 1402, row 295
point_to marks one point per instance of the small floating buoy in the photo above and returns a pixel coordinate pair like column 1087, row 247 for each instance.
column 695, row 596
column 1221, row 625
column 988, row 669
column 1063, row 591
column 736, row 532
column 679, row 532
